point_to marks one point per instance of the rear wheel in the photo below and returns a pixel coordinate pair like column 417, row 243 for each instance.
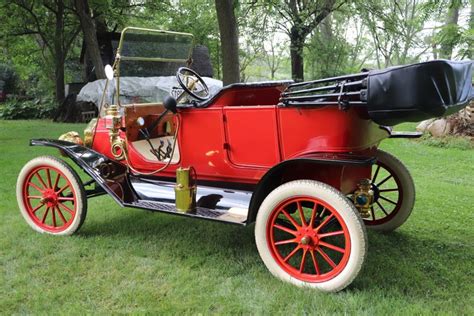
column 309, row 234
column 51, row 197
column 394, row 193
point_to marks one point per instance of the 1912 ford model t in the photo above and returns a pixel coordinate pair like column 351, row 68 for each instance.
column 298, row 159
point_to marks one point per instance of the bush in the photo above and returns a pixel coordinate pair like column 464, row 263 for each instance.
column 27, row 109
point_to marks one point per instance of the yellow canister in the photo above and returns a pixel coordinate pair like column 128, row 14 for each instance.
column 185, row 189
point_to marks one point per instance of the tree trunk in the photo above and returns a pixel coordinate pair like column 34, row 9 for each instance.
column 90, row 37
column 452, row 17
column 59, row 81
column 59, row 55
column 229, row 36
column 296, row 53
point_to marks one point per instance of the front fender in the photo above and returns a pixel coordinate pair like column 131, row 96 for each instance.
column 109, row 174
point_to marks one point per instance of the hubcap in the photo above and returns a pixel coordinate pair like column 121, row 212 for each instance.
column 50, row 198
column 306, row 240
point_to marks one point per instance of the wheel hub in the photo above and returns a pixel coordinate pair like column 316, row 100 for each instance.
column 306, row 240
column 50, row 198
column 310, row 238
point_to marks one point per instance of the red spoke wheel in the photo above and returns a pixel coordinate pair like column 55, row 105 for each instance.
column 51, row 197
column 309, row 234
column 394, row 193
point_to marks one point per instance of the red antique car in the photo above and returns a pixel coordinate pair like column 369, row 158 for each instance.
column 300, row 160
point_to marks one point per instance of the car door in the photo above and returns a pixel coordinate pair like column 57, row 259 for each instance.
column 251, row 135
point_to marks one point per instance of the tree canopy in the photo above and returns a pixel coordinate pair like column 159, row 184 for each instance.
column 43, row 40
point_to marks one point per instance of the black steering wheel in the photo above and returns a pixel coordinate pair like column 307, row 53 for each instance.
column 192, row 83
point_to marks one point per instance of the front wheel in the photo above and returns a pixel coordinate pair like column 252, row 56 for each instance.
column 51, row 197
column 310, row 235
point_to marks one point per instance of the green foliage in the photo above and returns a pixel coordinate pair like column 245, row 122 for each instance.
column 328, row 53
column 197, row 17
column 27, row 109
column 371, row 33
column 396, row 29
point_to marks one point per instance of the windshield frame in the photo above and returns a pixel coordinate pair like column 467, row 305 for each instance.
column 119, row 57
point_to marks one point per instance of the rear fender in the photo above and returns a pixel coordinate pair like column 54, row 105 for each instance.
column 108, row 174
column 340, row 172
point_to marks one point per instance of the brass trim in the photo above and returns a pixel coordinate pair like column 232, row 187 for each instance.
column 89, row 133
column 72, row 137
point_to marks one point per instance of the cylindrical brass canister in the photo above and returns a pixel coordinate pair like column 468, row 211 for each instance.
column 185, row 189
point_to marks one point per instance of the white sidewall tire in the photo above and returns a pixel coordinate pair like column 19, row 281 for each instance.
column 71, row 175
column 408, row 188
column 341, row 204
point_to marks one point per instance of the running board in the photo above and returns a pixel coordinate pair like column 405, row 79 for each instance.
column 236, row 216
column 213, row 203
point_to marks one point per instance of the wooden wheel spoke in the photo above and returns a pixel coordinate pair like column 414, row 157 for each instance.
column 56, row 182
column 321, row 215
column 65, row 198
column 48, row 173
column 38, row 176
column 324, row 222
column 285, row 242
column 330, row 246
column 45, row 215
column 37, row 208
column 291, row 254
column 389, row 190
column 35, row 186
column 61, row 215
column 34, row 197
column 290, row 218
column 53, row 213
column 384, row 180
column 330, row 234
column 300, row 210
column 315, row 263
column 313, row 215
column 326, row 257
column 372, row 211
column 283, row 228
column 62, row 189
column 376, row 173
column 382, row 208
column 305, row 251
column 66, row 208
column 388, row 200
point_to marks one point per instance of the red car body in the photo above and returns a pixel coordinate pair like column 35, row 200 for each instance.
column 242, row 133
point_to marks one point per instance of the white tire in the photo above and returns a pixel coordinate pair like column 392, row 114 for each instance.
column 51, row 197
column 395, row 197
column 345, row 227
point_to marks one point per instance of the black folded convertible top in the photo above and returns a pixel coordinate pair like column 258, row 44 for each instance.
column 419, row 91
column 394, row 95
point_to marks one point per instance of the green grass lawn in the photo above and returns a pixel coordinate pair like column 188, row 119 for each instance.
column 127, row 260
